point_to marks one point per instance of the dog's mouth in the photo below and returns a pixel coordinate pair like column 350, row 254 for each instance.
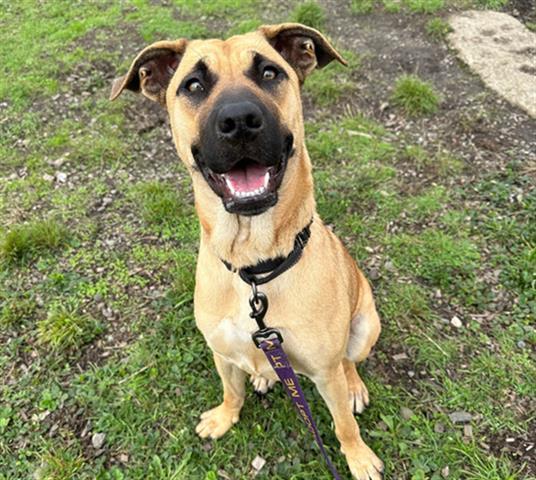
column 248, row 187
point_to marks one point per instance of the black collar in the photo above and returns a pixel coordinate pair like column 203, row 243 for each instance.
column 274, row 267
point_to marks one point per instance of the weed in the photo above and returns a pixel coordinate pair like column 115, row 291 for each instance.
column 14, row 311
column 244, row 26
column 415, row 96
column 65, row 328
column 424, row 6
column 446, row 262
column 438, row 28
column 492, row 4
column 309, row 13
column 28, row 240
column 392, row 6
column 160, row 203
column 361, row 7
column 405, row 301
column 59, row 464
column 328, row 85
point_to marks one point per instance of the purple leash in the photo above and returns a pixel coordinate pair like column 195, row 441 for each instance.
column 269, row 340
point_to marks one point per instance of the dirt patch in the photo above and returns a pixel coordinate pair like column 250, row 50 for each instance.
column 497, row 47
column 474, row 123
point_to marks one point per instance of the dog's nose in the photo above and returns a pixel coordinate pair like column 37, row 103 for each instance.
column 239, row 121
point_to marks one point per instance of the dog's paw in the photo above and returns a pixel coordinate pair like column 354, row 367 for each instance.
column 215, row 423
column 365, row 465
column 358, row 396
column 260, row 384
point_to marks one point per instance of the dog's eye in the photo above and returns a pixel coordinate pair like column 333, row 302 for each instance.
column 194, row 86
column 269, row 73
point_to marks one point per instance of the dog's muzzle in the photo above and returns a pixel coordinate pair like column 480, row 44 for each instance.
column 243, row 153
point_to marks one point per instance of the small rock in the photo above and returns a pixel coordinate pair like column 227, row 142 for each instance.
column 521, row 344
column 123, row 458
column 61, row 177
column 460, row 417
column 97, row 440
column 374, row 274
column 53, row 430
column 258, row 462
column 445, row 472
column 411, row 373
column 389, row 266
column 400, row 356
column 438, row 294
column 406, row 413
column 468, row 431
column 456, row 322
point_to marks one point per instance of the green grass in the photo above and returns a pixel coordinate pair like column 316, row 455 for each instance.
column 330, row 84
column 424, row 6
column 438, row 28
column 361, row 6
column 65, row 328
column 97, row 332
column 492, row 4
column 415, row 96
column 309, row 13
column 29, row 240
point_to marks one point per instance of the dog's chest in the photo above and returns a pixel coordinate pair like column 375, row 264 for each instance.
column 232, row 340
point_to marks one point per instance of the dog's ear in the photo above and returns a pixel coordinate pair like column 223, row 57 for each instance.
column 151, row 71
column 304, row 48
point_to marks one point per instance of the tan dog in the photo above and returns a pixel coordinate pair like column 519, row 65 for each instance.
column 236, row 117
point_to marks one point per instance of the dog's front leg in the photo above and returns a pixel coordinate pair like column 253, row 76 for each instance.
column 333, row 387
column 215, row 422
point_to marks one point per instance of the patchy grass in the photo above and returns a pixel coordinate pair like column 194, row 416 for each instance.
column 361, row 7
column 438, row 28
column 65, row 327
column 492, row 4
column 415, row 96
column 332, row 82
column 29, row 240
column 309, row 13
column 97, row 331
column 424, row 6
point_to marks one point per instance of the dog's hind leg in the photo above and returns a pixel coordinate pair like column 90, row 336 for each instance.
column 216, row 422
column 364, row 332
column 357, row 390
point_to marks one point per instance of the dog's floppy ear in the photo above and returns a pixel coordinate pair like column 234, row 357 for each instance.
column 151, row 71
column 304, row 48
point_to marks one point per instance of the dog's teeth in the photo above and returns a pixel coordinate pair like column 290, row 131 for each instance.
column 266, row 179
column 229, row 185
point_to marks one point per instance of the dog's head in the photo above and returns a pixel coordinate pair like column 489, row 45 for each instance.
column 234, row 107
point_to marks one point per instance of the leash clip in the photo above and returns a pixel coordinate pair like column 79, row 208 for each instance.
column 266, row 335
column 259, row 306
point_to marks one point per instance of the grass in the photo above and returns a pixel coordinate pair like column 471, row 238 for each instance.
column 65, row 328
column 415, row 96
column 331, row 83
column 29, row 240
column 424, row 6
column 361, row 6
column 438, row 28
column 309, row 13
column 97, row 330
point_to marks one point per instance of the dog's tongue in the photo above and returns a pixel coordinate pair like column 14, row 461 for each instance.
column 246, row 178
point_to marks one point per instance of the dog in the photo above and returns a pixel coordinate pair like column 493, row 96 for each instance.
column 236, row 117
